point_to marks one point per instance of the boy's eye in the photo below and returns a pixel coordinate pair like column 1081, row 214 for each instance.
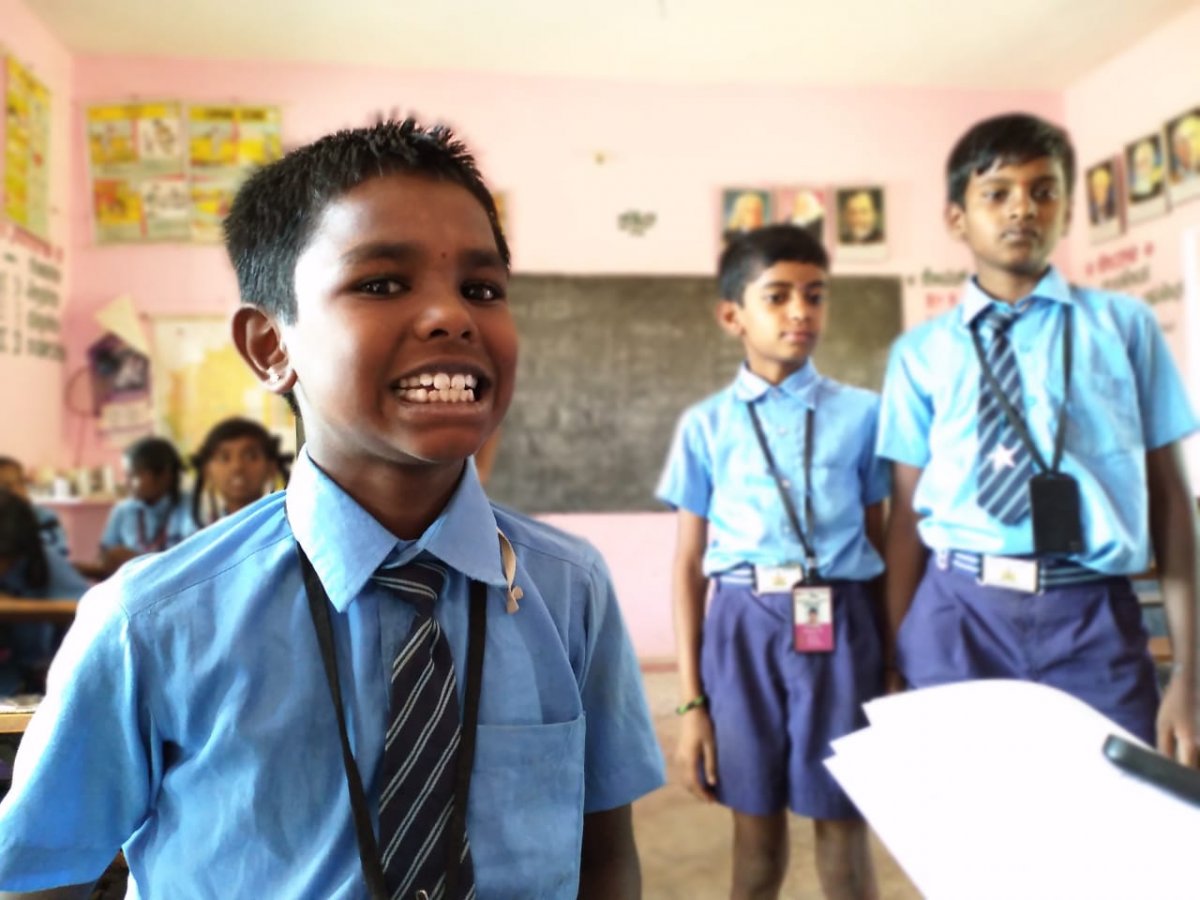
column 381, row 287
column 482, row 291
column 775, row 298
column 816, row 298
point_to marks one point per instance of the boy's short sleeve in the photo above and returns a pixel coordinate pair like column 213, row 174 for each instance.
column 82, row 781
column 686, row 481
column 905, row 412
column 622, row 759
column 1167, row 414
column 112, row 528
column 875, row 473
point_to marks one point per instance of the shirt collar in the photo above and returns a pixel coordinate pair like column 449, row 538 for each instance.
column 1052, row 287
column 346, row 544
column 801, row 384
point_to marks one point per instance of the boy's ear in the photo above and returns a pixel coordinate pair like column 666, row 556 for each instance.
column 729, row 318
column 956, row 220
column 259, row 339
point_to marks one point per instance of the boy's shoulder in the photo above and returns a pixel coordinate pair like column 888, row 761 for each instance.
column 550, row 544
column 848, row 395
column 228, row 547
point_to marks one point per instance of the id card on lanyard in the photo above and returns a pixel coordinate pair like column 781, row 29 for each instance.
column 812, row 601
column 159, row 541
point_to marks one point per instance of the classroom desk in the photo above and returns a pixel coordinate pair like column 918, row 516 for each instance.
column 14, row 721
column 17, row 609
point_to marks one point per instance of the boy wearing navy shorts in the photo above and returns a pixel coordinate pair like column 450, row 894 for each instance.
column 1034, row 433
column 778, row 496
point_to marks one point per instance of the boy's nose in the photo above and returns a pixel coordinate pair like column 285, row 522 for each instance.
column 447, row 317
column 1021, row 205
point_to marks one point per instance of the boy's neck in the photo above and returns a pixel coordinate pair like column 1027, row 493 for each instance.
column 775, row 373
column 1005, row 286
column 405, row 500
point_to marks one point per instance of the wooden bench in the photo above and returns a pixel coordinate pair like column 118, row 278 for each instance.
column 21, row 609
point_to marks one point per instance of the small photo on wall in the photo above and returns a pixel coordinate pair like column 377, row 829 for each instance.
column 1183, row 154
column 1145, row 188
column 1103, row 182
column 861, row 223
column 744, row 209
column 803, row 207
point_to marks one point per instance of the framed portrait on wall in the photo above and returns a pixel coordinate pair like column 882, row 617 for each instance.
column 861, row 223
column 1104, row 196
column 803, row 207
column 744, row 209
column 1183, row 156
column 1145, row 184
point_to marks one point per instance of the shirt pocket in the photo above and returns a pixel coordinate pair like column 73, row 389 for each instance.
column 526, row 809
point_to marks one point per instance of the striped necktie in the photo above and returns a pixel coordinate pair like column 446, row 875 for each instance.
column 421, row 748
column 1003, row 466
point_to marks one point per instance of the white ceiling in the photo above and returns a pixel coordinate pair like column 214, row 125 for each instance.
column 1035, row 44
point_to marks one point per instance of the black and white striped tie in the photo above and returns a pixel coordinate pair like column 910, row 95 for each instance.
column 1003, row 465
column 421, row 749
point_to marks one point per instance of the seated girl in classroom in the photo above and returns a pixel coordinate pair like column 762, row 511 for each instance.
column 28, row 570
column 12, row 478
column 238, row 463
column 156, row 515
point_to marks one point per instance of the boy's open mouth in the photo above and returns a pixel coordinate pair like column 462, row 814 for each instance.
column 439, row 387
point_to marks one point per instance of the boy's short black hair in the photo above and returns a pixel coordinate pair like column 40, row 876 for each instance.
column 1011, row 138
column 274, row 213
column 747, row 255
column 21, row 539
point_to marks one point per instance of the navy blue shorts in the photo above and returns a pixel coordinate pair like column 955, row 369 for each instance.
column 774, row 710
column 1086, row 639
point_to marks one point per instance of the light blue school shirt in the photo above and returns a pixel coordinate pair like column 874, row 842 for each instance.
column 121, row 530
column 51, row 531
column 188, row 715
column 1126, row 398
column 717, row 470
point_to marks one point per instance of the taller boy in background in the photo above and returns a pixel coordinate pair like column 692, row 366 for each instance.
column 190, row 714
column 1035, row 432
column 779, row 498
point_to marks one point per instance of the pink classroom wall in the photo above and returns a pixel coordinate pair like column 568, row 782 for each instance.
column 665, row 148
column 31, row 388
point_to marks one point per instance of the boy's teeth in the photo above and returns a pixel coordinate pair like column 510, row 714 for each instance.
column 427, row 395
column 436, row 382
column 426, row 380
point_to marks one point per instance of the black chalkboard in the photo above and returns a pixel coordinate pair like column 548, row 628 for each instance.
column 608, row 363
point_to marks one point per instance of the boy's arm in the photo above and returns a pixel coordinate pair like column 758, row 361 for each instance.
column 873, row 518
column 904, row 555
column 1173, row 534
column 608, row 863
column 689, row 588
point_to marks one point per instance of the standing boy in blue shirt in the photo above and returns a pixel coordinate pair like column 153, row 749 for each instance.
column 1034, row 432
column 779, row 499
column 190, row 714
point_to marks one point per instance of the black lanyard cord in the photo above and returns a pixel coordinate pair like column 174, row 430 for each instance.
column 802, row 532
column 368, row 849
column 1010, row 412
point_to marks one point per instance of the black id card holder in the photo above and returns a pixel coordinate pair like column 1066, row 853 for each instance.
column 1057, row 521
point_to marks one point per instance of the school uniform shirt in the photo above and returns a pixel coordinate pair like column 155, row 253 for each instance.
column 51, row 531
column 188, row 714
column 716, row 470
column 24, row 644
column 149, row 527
column 1126, row 398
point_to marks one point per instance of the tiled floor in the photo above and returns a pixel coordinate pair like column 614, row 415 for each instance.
column 685, row 844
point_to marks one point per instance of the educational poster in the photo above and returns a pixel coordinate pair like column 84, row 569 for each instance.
column 1103, row 184
column 26, row 150
column 802, row 206
column 1183, row 151
column 199, row 379
column 861, row 224
column 30, row 297
column 1146, row 192
column 120, row 376
column 225, row 144
column 137, row 158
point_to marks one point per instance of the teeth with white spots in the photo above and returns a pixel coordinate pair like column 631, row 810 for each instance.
column 438, row 387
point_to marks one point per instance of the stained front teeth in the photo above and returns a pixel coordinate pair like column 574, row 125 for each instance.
column 438, row 387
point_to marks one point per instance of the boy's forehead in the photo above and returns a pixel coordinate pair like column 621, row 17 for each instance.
column 400, row 200
column 787, row 270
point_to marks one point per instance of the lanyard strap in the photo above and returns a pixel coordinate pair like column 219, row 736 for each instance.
column 368, row 849
column 803, row 533
column 160, row 538
column 1010, row 412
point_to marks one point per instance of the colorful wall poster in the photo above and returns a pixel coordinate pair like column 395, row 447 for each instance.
column 1145, row 186
column 1104, row 194
column 803, row 207
column 26, row 150
column 1183, row 149
column 225, row 144
column 861, row 224
column 138, row 160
